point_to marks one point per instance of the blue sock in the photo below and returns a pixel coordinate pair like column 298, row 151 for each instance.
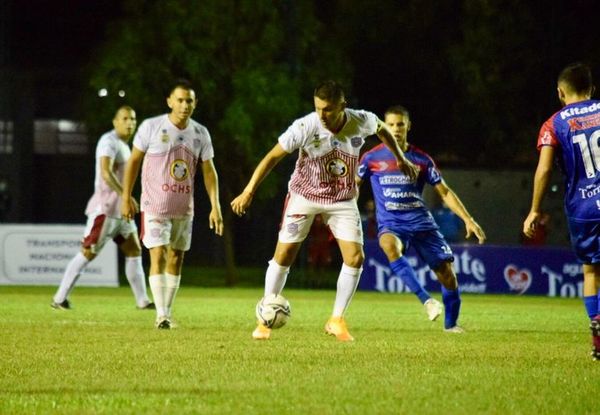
column 591, row 305
column 402, row 269
column 452, row 301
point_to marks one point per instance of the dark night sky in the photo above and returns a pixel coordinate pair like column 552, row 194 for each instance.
column 57, row 34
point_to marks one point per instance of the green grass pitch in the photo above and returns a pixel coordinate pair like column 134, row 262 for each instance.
column 521, row 355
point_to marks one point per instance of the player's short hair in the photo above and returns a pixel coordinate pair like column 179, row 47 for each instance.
column 578, row 77
column 397, row 109
column 182, row 83
column 123, row 108
column 330, row 91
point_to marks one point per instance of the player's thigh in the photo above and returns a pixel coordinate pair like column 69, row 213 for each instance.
column 585, row 239
column 181, row 233
column 127, row 238
column 391, row 245
column 99, row 229
column 433, row 248
column 156, row 231
column 343, row 219
column 298, row 216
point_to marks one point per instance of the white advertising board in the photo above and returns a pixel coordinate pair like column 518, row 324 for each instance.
column 38, row 255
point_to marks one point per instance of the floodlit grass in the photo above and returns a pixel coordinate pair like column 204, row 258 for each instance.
column 525, row 355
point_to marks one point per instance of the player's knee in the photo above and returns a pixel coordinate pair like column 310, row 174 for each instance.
column 355, row 260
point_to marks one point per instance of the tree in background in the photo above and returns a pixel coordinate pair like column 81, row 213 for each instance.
column 253, row 65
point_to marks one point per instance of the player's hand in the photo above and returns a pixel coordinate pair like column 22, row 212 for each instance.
column 473, row 228
column 409, row 168
column 530, row 224
column 215, row 221
column 241, row 203
column 129, row 207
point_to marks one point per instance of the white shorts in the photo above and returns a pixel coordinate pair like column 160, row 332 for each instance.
column 342, row 218
column 100, row 228
column 159, row 231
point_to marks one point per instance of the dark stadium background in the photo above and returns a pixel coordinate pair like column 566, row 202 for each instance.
column 469, row 71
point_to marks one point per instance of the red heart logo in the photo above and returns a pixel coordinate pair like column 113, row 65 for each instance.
column 518, row 279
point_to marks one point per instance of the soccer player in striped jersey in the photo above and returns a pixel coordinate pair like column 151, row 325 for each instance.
column 328, row 141
column 572, row 137
column 172, row 147
column 104, row 218
column 404, row 220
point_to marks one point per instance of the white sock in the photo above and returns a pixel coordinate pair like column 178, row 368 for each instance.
column 172, row 285
column 70, row 277
column 158, row 287
column 346, row 286
column 137, row 280
column 275, row 278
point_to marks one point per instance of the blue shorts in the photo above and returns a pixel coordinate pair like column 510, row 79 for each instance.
column 585, row 239
column 430, row 245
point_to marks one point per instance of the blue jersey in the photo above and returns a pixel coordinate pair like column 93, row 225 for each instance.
column 574, row 132
column 398, row 199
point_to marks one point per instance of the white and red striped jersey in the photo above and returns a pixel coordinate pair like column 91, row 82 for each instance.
column 170, row 165
column 326, row 166
column 105, row 200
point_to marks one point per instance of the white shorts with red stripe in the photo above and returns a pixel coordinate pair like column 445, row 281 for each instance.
column 100, row 228
column 343, row 218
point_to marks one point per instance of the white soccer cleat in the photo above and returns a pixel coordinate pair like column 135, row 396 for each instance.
column 433, row 308
column 455, row 329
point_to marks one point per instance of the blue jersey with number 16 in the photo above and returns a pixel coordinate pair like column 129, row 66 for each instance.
column 574, row 132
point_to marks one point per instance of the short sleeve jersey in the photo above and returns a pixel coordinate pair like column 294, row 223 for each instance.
column 398, row 199
column 170, row 165
column 105, row 200
column 574, row 132
column 326, row 166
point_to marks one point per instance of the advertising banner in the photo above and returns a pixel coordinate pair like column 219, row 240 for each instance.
column 552, row 272
column 38, row 255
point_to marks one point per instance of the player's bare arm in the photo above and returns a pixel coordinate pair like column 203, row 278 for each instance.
column 540, row 185
column 244, row 199
column 129, row 206
column 455, row 205
column 211, row 183
column 387, row 138
column 111, row 179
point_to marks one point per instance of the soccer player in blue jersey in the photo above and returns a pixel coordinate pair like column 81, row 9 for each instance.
column 404, row 220
column 572, row 137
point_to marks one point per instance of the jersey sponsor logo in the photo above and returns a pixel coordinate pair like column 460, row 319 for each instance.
column 176, row 188
column 402, row 206
column 356, row 141
column 394, row 179
column 336, row 184
column 398, row 193
column 579, row 110
column 179, row 170
column 337, row 167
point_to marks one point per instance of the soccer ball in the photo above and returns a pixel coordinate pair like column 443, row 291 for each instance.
column 273, row 311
